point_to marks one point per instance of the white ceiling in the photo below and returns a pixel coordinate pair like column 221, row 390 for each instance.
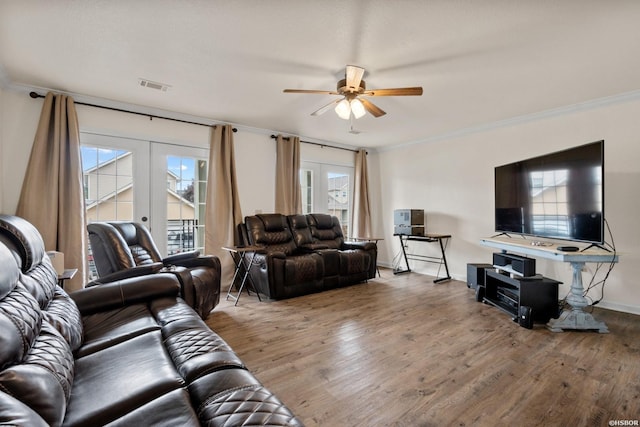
column 479, row 62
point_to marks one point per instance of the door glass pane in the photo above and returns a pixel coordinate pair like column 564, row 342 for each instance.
column 338, row 198
column 186, row 189
column 108, row 187
column 306, row 184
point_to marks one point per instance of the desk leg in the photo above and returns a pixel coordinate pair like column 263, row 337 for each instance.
column 446, row 267
column 404, row 254
column 576, row 318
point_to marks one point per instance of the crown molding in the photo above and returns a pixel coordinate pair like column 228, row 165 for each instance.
column 527, row 118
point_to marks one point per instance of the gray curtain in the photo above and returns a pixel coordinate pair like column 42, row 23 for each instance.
column 52, row 195
column 288, row 192
column 222, row 209
column 361, row 204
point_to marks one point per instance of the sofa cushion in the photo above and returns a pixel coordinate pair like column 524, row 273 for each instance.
column 300, row 230
column 271, row 231
column 63, row 314
column 107, row 328
column 171, row 409
column 43, row 379
column 196, row 350
column 118, row 379
column 20, row 324
column 41, row 281
column 326, row 229
column 235, row 397
column 15, row 413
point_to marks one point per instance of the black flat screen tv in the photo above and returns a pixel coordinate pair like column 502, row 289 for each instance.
column 558, row 195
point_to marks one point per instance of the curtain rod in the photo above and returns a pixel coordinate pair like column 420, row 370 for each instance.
column 35, row 95
column 318, row 144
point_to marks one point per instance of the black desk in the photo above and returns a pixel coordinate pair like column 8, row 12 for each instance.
column 442, row 239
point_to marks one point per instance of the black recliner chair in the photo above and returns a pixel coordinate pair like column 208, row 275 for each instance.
column 118, row 246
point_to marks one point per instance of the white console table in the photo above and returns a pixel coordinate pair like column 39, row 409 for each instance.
column 576, row 318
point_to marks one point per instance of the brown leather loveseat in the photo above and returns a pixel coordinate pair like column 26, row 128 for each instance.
column 124, row 353
column 303, row 254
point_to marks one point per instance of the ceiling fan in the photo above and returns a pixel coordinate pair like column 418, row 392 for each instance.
column 353, row 91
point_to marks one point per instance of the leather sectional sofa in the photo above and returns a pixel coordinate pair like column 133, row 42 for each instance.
column 302, row 254
column 129, row 352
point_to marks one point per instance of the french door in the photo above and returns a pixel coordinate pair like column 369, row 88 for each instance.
column 328, row 188
column 178, row 189
column 160, row 185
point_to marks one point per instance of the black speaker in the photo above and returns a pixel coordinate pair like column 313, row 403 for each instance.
column 475, row 274
column 518, row 264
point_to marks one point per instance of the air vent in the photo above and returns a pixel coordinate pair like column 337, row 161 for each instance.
column 153, row 85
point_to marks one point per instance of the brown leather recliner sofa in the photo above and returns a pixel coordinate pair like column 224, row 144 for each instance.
column 129, row 352
column 118, row 246
column 303, row 254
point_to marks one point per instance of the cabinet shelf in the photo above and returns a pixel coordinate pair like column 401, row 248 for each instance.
column 526, row 300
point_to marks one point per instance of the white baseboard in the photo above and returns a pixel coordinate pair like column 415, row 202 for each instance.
column 619, row 307
column 603, row 304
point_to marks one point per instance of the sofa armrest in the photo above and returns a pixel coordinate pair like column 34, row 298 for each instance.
column 137, row 271
column 367, row 246
column 177, row 259
column 126, row 292
column 200, row 261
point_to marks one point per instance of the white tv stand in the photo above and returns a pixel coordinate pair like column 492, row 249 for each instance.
column 575, row 318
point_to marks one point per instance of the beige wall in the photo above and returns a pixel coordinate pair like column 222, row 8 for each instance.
column 452, row 180
column 255, row 150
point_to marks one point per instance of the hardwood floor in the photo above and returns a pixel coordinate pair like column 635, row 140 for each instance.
column 402, row 351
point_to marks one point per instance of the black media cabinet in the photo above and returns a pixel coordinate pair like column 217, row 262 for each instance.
column 525, row 299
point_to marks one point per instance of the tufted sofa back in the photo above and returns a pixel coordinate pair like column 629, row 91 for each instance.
column 300, row 230
column 271, row 231
column 120, row 245
column 40, row 325
column 326, row 229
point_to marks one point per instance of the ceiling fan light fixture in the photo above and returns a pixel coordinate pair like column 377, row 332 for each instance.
column 357, row 108
column 343, row 109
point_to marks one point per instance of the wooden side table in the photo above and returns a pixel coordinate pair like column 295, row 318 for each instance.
column 67, row 274
column 237, row 254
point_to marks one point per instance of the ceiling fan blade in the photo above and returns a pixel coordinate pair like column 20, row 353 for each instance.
column 320, row 92
column 401, row 91
column 371, row 108
column 354, row 77
column 326, row 108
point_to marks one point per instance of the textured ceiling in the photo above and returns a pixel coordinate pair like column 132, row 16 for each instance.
column 479, row 62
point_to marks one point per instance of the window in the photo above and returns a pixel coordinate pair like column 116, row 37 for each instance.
column 186, row 190
column 108, row 183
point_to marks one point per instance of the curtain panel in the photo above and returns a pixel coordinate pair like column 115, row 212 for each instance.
column 222, row 209
column 288, row 192
column 52, row 195
column 361, row 205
